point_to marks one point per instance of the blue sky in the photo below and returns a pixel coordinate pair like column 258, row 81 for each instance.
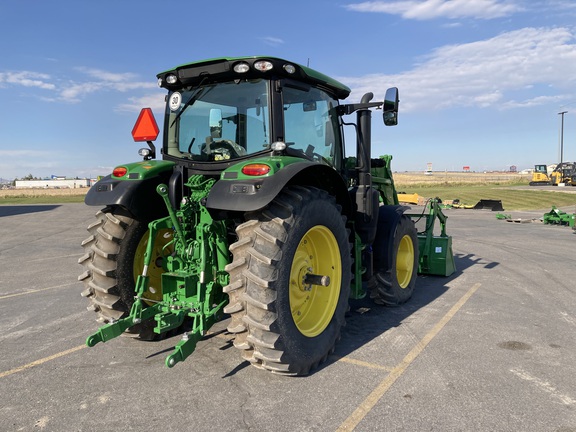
column 481, row 81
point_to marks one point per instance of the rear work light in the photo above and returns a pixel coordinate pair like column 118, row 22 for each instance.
column 256, row 169
column 242, row 67
column 119, row 171
column 263, row 65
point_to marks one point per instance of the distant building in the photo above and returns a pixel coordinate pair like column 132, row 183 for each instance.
column 53, row 184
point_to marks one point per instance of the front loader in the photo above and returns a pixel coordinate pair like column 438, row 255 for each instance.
column 563, row 174
column 254, row 212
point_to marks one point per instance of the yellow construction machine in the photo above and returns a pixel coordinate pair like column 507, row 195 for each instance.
column 565, row 172
column 540, row 176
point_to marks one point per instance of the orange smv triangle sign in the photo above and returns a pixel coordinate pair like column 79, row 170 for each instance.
column 145, row 128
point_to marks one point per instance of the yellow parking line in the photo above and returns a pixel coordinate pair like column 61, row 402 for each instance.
column 36, row 290
column 53, row 257
column 41, row 361
column 362, row 363
column 364, row 408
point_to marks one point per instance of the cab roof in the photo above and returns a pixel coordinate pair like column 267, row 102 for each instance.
column 224, row 68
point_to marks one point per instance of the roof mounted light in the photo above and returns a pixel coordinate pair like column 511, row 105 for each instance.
column 263, row 65
column 241, row 67
column 289, row 68
column 159, row 82
column 171, row 79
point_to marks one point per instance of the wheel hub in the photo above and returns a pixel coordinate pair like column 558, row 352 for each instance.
column 315, row 280
column 405, row 261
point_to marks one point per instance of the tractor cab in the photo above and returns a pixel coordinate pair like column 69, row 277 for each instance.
column 228, row 110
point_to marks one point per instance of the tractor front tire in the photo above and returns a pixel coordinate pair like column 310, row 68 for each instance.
column 112, row 252
column 284, row 323
column 394, row 280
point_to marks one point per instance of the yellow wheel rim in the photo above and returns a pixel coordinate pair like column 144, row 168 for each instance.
column 313, row 306
column 405, row 261
column 155, row 269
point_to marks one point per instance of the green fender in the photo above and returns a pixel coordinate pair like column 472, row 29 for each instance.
column 237, row 192
column 135, row 191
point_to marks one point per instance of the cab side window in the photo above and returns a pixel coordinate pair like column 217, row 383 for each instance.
column 311, row 124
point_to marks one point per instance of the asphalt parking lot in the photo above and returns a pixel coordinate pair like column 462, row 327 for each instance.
column 491, row 348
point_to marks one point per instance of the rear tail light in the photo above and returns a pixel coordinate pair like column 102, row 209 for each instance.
column 119, row 171
column 256, row 169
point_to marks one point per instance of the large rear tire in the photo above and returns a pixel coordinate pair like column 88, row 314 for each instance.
column 113, row 258
column 394, row 280
column 282, row 323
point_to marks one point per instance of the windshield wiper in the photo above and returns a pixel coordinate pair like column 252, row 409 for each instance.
column 198, row 92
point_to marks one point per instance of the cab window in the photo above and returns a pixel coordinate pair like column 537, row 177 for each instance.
column 311, row 124
column 220, row 121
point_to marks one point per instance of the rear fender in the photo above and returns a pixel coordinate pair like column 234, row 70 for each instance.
column 135, row 191
column 234, row 193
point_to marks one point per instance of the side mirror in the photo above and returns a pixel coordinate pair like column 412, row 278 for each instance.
column 390, row 107
column 215, row 123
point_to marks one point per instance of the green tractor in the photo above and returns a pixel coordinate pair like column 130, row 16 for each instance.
column 254, row 212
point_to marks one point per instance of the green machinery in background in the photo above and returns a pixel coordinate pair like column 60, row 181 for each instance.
column 558, row 217
column 436, row 255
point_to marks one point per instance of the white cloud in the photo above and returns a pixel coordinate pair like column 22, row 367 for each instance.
column 27, row 79
column 154, row 101
column 107, row 76
column 272, row 41
column 73, row 92
column 484, row 73
column 536, row 101
column 431, row 9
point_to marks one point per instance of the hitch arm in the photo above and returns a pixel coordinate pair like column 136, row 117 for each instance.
column 137, row 312
column 202, row 322
column 116, row 328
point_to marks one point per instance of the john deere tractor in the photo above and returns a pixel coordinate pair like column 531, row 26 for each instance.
column 254, row 214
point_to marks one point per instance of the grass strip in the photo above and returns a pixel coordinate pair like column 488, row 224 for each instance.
column 512, row 199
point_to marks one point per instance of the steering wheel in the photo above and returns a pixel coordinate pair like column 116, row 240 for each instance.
column 233, row 149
